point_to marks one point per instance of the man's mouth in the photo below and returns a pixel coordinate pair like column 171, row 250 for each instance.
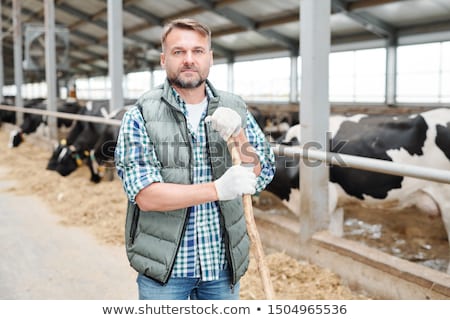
column 188, row 70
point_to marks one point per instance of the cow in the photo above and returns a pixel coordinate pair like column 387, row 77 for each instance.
column 101, row 162
column 88, row 142
column 6, row 115
column 419, row 139
column 32, row 121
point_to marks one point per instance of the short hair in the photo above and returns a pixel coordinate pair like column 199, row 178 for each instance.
column 186, row 24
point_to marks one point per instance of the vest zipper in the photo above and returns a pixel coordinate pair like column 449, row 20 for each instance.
column 188, row 210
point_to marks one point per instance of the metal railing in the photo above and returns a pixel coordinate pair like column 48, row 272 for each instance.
column 64, row 115
column 344, row 160
column 363, row 163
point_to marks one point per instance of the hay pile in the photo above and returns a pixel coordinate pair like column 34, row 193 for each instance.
column 101, row 209
column 295, row 280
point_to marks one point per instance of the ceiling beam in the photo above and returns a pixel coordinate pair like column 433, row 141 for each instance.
column 246, row 23
column 93, row 19
column 369, row 22
column 150, row 18
column 362, row 4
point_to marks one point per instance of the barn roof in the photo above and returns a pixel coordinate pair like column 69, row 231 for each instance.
column 242, row 29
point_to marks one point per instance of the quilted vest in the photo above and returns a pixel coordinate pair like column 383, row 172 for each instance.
column 153, row 237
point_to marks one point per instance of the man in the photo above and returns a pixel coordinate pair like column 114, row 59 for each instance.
column 185, row 228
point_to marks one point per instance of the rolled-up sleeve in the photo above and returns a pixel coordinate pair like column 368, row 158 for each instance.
column 264, row 151
column 135, row 159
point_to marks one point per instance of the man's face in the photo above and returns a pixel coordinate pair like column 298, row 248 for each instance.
column 186, row 58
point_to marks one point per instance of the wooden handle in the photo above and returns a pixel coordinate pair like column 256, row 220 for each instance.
column 251, row 229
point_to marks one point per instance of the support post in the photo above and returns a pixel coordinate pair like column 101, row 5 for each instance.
column 50, row 65
column 115, row 53
column 391, row 67
column 230, row 75
column 18, row 71
column 293, row 81
column 314, row 114
column 2, row 74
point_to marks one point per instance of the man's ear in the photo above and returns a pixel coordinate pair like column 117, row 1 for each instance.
column 162, row 60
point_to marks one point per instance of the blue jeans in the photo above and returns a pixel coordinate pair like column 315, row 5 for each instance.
column 188, row 288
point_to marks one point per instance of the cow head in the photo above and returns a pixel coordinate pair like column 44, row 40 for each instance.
column 15, row 138
column 89, row 143
column 69, row 159
column 53, row 161
column 65, row 159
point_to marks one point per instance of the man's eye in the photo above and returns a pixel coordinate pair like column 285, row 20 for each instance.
column 178, row 52
column 199, row 51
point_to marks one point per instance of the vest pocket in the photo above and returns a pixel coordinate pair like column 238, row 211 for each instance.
column 134, row 223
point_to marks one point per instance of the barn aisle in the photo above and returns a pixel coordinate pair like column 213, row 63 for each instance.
column 44, row 259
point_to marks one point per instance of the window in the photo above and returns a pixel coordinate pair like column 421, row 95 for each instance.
column 136, row 84
column 263, row 80
column 159, row 76
column 82, row 85
column 445, row 73
column 99, row 88
column 218, row 75
column 420, row 72
column 358, row 76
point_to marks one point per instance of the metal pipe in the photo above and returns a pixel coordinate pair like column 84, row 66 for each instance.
column 63, row 115
column 339, row 159
column 369, row 164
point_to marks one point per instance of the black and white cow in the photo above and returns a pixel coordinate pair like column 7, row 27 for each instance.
column 32, row 121
column 101, row 160
column 420, row 139
column 72, row 152
column 88, row 142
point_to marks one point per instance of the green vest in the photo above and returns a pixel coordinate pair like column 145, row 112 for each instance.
column 153, row 237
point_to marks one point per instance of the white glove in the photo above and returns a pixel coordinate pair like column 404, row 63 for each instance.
column 235, row 182
column 226, row 121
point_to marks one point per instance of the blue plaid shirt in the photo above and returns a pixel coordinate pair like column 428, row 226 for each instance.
column 202, row 252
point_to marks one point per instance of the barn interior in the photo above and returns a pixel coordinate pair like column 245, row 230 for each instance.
column 303, row 32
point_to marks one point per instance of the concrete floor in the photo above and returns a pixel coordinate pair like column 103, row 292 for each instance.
column 43, row 259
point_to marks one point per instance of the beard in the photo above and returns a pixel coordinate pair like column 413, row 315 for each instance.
column 187, row 83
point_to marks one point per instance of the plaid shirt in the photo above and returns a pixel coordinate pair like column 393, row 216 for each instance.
column 202, row 252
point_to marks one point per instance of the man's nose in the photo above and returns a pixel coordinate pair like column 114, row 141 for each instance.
column 188, row 57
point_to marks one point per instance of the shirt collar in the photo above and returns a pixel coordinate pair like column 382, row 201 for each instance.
column 180, row 101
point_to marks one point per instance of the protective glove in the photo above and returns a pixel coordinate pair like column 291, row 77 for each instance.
column 235, row 182
column 226, row 121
